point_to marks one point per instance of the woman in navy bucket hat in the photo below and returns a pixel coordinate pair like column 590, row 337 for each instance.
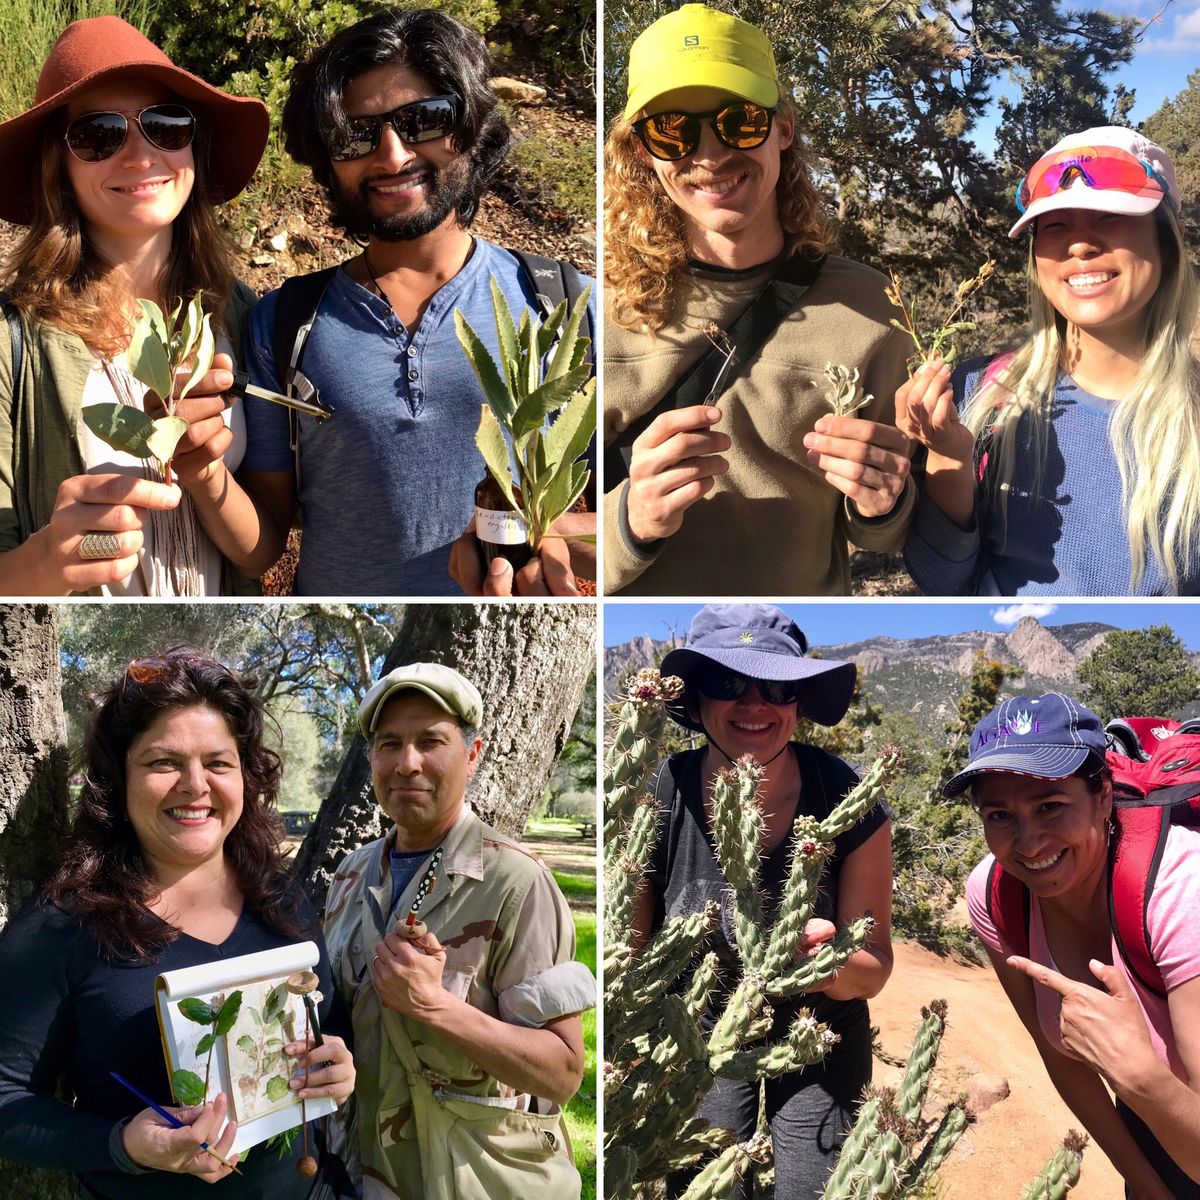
column 747, row 682
column 1038, row 777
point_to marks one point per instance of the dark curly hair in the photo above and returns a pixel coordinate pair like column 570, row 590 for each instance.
column 104, row 878
column 452, row 56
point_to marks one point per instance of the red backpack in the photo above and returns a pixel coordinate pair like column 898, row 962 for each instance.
column 1156, row 784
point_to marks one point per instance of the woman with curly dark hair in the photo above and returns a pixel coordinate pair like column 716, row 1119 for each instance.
column 173, row 861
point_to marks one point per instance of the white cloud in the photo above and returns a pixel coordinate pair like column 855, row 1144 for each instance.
column 1012, row 613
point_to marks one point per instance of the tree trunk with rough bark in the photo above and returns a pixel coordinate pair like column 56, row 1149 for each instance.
column 33, row 800
column 530, row 662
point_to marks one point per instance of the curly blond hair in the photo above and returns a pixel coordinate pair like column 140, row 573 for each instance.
column 644, row 244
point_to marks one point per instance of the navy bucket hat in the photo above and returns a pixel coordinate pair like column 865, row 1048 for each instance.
column 1048, row 737
column 760, row 641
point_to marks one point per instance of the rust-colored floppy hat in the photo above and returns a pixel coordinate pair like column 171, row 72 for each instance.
column 104, row 48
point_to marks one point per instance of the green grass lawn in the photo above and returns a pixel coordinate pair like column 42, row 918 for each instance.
column 576, row 886
column 553, row 827
column 581, row 1112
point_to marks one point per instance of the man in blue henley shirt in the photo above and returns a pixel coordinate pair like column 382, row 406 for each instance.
column 398, row 121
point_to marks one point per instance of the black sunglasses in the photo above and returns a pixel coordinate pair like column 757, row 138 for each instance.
column 720, row 683
column 96, row 136
column 670, row 136
column 421, row 121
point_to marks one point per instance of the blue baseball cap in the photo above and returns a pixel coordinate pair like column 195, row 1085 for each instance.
column 761, row 641
column 1048, row 737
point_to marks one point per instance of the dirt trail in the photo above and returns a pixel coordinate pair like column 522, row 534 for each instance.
column 1002, row 1152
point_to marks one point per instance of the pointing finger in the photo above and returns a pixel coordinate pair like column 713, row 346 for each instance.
column 1045, row 976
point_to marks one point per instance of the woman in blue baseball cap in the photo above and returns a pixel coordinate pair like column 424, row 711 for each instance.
column 747, row 682
column 1040, row 902
column 1089, row 432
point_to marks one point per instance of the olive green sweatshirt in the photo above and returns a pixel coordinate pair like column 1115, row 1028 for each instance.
column 772, row 526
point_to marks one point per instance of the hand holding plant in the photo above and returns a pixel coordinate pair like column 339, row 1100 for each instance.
column 937, row 342
column 522, row 396
column 158, row 351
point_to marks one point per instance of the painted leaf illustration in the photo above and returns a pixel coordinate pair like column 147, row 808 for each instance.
column 148, row 353
column 188, row 1088
column 196, row 1009
column 277, row 1088
column 131, row 430
column 246, row 1043
column 205, row 1044
column 258, row 1020
column 228, row 1014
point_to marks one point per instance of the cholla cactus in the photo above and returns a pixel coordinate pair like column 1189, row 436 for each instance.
column 659, row 1062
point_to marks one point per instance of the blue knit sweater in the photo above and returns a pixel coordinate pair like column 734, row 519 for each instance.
column 1070, row 540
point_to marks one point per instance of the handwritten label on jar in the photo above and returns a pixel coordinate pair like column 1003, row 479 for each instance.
column 500, row 528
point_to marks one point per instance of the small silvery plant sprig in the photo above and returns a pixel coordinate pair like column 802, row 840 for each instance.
column 538, row 420
column 158, row 350
column 847, row 397
column 938, row 340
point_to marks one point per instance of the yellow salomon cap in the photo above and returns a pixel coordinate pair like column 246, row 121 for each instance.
column 696, row 46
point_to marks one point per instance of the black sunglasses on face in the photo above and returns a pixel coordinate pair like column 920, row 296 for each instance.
column 422, row 121
column 720, row 683
column 96, row 136
column 670, row 136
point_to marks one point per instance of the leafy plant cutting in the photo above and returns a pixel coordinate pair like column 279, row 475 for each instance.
column 539, row 418
column 939, row 340
column 158, row 351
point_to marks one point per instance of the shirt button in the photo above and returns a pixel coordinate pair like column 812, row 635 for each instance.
column 412, row 352
column 413, row 374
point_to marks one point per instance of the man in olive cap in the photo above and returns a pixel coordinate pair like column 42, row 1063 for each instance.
column 735, row 476
column 453, row 949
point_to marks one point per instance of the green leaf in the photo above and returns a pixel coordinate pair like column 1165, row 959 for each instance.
column 205, row 1044
column 187, row 332
column 258, row 1020
column 528, row 337
column 131, row 430
column 489, row 437
column 506, row 332
column 568, row 355
column 567, row 487
column 148, row 353
column 192, row 1008
column 549, row 330
column 246, row 1042
column 547, row 399
column 229, row 1012
column 205, row 352
column 277, row 1088
column 484, row 366
column 572, row 430
column 188, row 1088
column 272, row 1043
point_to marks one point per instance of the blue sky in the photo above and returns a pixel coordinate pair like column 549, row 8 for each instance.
column 826, row 623
column 1169, row 49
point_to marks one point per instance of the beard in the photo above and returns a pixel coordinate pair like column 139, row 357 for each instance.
column 447, row 190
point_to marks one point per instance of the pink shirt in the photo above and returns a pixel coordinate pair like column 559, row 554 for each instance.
column 1173, row 920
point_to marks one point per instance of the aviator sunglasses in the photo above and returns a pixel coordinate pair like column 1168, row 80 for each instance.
column 96, row 136
column 670, row 136
column 720, row 683
column 1106, row 168
column 421, row 121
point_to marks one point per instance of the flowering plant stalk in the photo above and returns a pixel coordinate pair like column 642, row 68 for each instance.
column 939, row 340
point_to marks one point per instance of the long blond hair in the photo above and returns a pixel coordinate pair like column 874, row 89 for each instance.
column 56, row 276
column 644, row 243
column 1155, row 428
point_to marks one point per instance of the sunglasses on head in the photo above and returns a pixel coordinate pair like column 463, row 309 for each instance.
column 670, row 136
column 147, row 670
column 1104, row 168
column 720, row 683
column 96, row 136
column 422, row 121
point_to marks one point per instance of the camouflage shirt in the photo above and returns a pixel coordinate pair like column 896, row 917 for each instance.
column 509, row 942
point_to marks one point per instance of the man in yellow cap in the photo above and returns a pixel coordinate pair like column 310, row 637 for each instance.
column 727, row 469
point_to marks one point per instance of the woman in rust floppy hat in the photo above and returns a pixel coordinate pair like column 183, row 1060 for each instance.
column 747, row 681
column 114, row 171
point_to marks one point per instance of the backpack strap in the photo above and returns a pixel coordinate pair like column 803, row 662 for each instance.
column 554, row 280
column 1008, row 908
column 1137, row 855
column 16, row 333
column 295, row 311
column 716, row 369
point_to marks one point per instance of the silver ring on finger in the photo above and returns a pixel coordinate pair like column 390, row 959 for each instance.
column 99, row 545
